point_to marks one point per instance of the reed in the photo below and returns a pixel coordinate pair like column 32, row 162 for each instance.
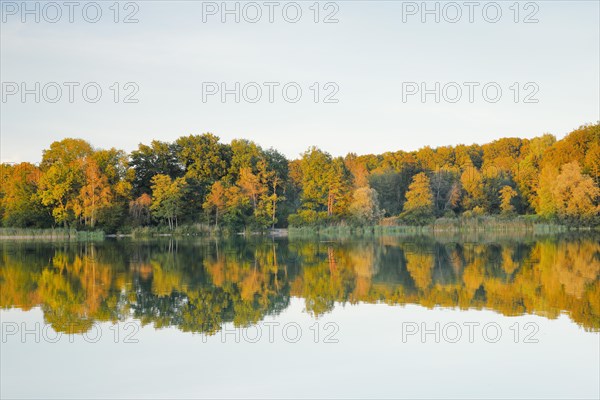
column 441, row 226
column 49, row 234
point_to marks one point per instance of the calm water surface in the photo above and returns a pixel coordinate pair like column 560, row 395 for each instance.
column 377, row 317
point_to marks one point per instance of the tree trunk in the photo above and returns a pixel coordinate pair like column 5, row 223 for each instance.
column 274, row 212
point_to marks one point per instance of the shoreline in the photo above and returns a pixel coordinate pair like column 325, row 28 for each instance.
column 486, row 225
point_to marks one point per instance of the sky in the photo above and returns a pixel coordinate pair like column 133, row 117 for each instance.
column 361, row 69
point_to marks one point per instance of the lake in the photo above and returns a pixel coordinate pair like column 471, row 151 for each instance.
column 386, row 317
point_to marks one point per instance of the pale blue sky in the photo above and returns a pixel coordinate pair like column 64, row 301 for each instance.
column 369, row 53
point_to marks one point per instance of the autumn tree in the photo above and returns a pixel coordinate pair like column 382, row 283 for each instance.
column 472, row 183
column 545, row 202
column 468, row 156
column 79, row 185
column 364, row 208
column 502, row 154
column 63, row 177
column 244, row 154
column 20, row 202
column 526, row 172
column 339, row 184
column 507, row 194
column 358, row 168
column 576, row 146
column 167, row 194
column 454, row 197
column 249, row 195
column 94, row 195
column 316, row 167
column 205, row 160
column 216, row 200
column 418, row 207
column 576, row 194
column 59, row 189
column 238, row 208
column 114, row 165
column 250, row 185
column 139, row 209
column 326, row 187
column 65, row 152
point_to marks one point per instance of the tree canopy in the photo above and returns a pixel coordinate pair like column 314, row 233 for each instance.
column 240, row 185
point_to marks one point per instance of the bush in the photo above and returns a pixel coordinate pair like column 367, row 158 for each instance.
column 310, row 218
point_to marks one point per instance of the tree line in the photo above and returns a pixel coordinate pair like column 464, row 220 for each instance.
column 240, row 185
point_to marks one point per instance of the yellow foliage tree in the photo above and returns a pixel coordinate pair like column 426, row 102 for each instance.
column 94, row 195
column 216, row 200
column 472, row 182
column 545, row 204
column 575, row 194
column 506, row 195
column 418, row 207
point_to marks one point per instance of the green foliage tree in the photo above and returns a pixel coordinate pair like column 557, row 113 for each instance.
column 65, row 152
column 326, row 188
column 391, row 187
column 148, row 161
column 167, row 196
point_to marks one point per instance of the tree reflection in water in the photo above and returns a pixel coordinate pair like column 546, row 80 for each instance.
column 198, row 285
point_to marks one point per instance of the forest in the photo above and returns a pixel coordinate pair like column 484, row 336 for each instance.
column 198, row 181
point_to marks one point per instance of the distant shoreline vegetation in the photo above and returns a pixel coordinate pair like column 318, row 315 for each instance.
column 484, row 225
column 50, row 234
column 198, row 185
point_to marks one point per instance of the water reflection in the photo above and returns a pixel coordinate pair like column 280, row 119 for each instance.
column 198, row 285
